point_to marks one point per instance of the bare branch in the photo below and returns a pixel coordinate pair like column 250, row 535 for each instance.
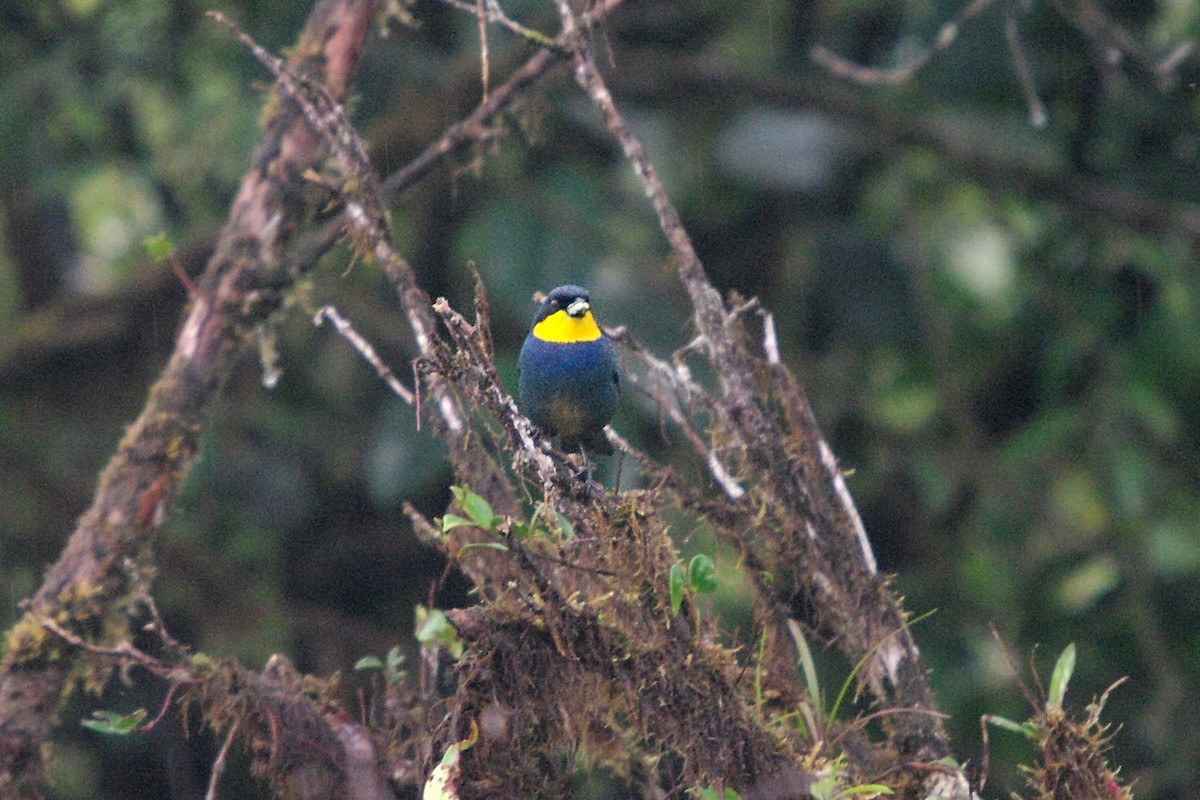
column 946, row 36
column 1113, row 43
column 1106, row 202
column 365, row 349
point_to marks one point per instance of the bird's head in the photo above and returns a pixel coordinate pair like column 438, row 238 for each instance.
column 565, row 317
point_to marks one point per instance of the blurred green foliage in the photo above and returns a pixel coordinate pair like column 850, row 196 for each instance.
column 1007, row 364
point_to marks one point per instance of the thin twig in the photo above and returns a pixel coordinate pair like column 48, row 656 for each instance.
column 476, row 127
column 364, row 349
column 123, row 651
column 845, row 68
column 490, row 11
column 1113, row 42
column 1037, row 109
column 484, row 60
column 218, row 767
column 685, row 393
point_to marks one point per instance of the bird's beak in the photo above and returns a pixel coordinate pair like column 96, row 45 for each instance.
column 578, row 308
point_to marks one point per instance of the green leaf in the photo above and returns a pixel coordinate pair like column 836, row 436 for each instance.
column 676, row 583
column 482, row 546
column 435, row 629
column 159, row 246
column 823, row 789
column 565, row 529
column 390, row 667
column 1059, row 679
column 1084, row 586
column 478, row 509
column 702, row 574
column 114, row 723
column 1026, row 729
column 394, row 659
column 811, row 681
column 452, row 521
column 709, row 793
column 431, row 624
column 866, row 788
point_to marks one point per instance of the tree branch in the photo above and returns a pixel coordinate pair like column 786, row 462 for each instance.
column 977, row 157
column 87, row 591
column 816, row 548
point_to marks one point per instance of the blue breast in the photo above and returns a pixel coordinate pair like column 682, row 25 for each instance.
column 570, row 391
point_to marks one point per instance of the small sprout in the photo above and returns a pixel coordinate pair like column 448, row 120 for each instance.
column 701, row 577
column 824, row 788
column 390, row 664
column 1059, row 679
column 677, row 580
column 114, row 723
column 807, row 664
column 702, row 574
column 434, row 629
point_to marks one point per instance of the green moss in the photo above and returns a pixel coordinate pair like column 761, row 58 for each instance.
column 27, row 644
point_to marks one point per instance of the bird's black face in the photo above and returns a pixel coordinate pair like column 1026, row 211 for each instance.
column 573, row 300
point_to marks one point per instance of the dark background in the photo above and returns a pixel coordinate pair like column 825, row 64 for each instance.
column 998, row 325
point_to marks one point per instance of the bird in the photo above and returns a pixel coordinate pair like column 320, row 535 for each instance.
column 568, row 384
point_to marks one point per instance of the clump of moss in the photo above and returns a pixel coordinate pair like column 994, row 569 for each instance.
column 1072, row 762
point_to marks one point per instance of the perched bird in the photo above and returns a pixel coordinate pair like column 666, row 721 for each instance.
column 569, row 384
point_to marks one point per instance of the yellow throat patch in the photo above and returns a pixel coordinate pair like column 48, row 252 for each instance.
column 561, row 328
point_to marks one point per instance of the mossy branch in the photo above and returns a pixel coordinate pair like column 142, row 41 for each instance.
column 85, row 591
